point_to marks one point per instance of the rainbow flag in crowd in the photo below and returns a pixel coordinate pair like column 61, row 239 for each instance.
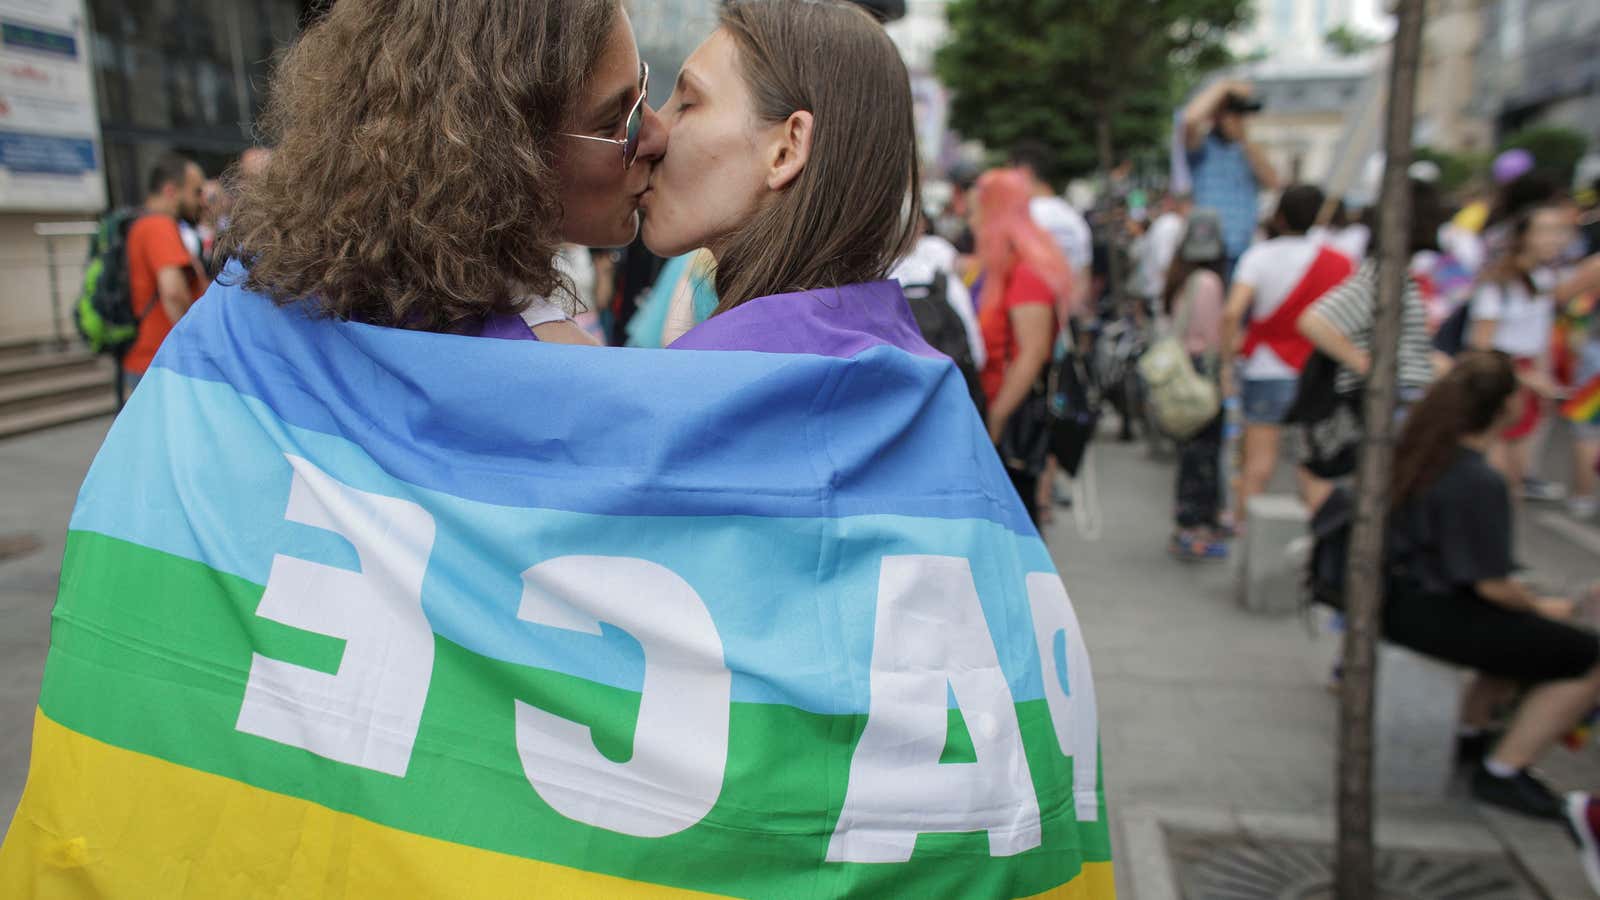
column 1584, row 403
column 353, row 612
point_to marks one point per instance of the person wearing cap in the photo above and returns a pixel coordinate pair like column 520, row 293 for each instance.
column 1227, row 170
column 1193, row 297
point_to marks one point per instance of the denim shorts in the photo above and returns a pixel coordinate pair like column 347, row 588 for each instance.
column 1266, row 401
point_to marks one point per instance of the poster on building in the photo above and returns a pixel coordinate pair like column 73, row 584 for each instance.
column 50, row 155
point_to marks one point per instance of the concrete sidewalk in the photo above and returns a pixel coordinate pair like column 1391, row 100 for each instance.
column 1218, row 719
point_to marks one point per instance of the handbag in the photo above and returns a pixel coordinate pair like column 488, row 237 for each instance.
column 1025, row 441
column 1329, row 427
column 1182, row 401
column 1074, row 410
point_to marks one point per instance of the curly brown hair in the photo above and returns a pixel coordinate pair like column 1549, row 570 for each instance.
column 412, row 183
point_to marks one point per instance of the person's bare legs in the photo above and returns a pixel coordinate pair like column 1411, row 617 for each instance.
column 1546, row 713
column 1484, row 693
column 1260, row 458
column 1585, row 452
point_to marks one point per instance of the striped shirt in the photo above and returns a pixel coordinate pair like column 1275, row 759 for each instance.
column 1351, row 307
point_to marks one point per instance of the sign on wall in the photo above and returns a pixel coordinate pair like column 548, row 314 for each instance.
column 50, row 155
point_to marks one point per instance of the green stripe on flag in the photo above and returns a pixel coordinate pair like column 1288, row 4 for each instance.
column 150, row 652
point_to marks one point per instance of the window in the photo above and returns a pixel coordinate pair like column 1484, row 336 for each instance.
column 187, row 75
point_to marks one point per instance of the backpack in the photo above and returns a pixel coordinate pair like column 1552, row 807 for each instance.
column 1451, row 338
column 104, row 312
column 941, row 327
column 1330, row 423
column 1331, row 526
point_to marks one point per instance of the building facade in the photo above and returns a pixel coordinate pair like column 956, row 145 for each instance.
column 1448, row 117
column 186, row 75
column 1539, row 63
column 1306, row 111
column 1295, row 29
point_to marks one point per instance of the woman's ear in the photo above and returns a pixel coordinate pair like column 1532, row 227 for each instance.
column 790, row 150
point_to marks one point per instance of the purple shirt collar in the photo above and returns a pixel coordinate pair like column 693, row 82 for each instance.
column 841, row 321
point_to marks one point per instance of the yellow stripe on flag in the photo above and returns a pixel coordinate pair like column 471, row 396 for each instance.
column 1095, row 881
column 97, row 821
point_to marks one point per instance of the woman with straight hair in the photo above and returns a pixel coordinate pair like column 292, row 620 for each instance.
column 1452, row 595
column 785, row 165
column 1194, row 296
column 1514, row 310
column 1026, row 283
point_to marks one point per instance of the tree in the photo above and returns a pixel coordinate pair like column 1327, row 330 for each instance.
column 1364, row 580
column 1555, row 149
column 1092, row 78
column 1346, row 41
column 1455, row 169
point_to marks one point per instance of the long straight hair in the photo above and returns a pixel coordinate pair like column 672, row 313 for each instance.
column 1007, row 237
column 1466, row 401
column 852, row 212
column 1507, row 268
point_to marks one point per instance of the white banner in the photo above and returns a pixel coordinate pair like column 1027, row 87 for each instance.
column 50, row 156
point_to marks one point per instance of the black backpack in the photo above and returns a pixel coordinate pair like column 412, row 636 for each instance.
column 1331, row 526
column 1451, row 338
column 942, row 328
column 1330, row 548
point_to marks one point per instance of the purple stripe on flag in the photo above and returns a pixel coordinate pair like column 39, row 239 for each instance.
column 839, row 322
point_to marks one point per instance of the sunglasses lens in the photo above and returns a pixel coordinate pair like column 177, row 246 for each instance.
column 630, row 150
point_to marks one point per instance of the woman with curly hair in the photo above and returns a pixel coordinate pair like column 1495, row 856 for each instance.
column 427, row 169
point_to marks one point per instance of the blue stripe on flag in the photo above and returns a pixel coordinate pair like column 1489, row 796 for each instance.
column 758, row 576
column 615, row 431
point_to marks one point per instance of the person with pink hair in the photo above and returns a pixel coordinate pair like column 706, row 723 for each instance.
column 1026, row 282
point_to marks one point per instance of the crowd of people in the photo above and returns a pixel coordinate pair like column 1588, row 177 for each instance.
column 1499, row 346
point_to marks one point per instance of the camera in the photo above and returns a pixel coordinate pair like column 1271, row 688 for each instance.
column 1239, row 103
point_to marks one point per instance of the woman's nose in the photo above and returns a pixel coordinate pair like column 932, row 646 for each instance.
column 652, row 135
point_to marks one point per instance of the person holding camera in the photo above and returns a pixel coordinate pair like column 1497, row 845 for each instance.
column 1227, row 170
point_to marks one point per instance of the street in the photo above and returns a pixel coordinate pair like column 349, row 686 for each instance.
column 1210, row 717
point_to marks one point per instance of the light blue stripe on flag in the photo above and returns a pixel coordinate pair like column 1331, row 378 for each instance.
column 636, row 432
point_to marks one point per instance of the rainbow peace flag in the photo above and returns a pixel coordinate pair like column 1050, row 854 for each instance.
column 1584, row 404
column 354, row 612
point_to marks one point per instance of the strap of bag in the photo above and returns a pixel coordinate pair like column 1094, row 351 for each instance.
column 1180, row 325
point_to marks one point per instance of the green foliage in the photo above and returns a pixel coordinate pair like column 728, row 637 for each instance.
column 1455, row 169
column 1051, row 70
column 1555, row 149
column 1347, row 41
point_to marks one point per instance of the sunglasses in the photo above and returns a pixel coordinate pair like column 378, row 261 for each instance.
column 629, row 144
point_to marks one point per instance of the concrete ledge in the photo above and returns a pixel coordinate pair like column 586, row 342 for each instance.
column 1417, row 706
column 1273, row 554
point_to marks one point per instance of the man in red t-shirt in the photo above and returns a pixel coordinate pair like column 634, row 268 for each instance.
column 163, row 277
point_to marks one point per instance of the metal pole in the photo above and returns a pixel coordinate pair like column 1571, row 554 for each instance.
column 55, row 292
column 1356, row 879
